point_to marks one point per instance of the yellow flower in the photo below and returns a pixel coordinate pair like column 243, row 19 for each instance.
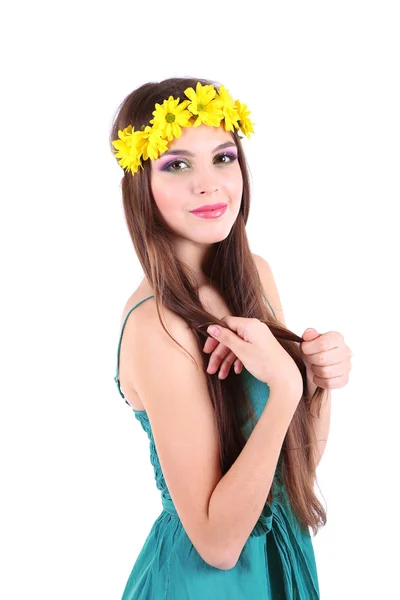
column 170, row 116
column 127, row 149
column 205, row 105
column 151, row 144
column 244, row 122
column 231, row 116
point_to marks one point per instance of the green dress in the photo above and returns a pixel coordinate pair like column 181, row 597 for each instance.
column 277, row 561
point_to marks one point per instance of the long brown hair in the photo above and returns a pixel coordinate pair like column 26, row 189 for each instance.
column 231, row 268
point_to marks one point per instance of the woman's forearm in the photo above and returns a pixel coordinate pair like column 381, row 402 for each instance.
column 240, row 495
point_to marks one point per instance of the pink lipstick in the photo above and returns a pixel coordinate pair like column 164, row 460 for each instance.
column 210, row 211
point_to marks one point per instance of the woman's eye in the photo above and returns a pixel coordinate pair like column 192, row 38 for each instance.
column 175, row 165
column 226, row 158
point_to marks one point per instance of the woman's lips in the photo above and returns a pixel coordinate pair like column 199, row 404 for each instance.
column 210, row 214
column 209, row 207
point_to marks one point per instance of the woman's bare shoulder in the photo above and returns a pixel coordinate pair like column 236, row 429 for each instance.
column 144, row 318
column 140, row 293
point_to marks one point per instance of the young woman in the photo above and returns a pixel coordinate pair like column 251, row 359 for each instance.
column 232, row 419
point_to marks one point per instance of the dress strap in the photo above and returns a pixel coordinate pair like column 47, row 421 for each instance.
column 269, row 304
column 116, row 378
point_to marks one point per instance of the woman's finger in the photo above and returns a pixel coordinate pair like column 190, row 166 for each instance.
column 226, row 365
column 218, row 357
column 210, row 345
column 238, row 366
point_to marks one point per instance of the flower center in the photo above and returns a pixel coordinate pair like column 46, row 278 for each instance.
column 170, row 118
column 201, row 106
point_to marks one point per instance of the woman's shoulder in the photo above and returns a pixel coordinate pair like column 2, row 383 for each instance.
column 140, row 293
column 269, row 286
column 261, row 264
column 142, row 321
column 148, row 314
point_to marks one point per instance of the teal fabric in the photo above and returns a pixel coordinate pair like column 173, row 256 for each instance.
column 277, row 561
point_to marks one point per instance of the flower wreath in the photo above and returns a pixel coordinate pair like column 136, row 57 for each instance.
column 205, row 105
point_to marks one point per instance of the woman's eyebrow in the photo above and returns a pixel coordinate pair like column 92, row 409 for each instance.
column 174, row 151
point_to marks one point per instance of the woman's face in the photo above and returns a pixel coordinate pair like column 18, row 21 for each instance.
column 199, row 168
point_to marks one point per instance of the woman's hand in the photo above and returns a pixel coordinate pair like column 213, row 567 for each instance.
column 221, row 358
column 322, row 370
column 327, row 359
column 252, row 342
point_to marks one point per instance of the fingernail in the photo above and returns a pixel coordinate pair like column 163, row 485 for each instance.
column 213, row 330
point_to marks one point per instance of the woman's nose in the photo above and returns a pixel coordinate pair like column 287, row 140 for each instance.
column 205, row 184
column 208, row 190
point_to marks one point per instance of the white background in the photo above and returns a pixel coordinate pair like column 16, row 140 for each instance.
column 322, row 81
